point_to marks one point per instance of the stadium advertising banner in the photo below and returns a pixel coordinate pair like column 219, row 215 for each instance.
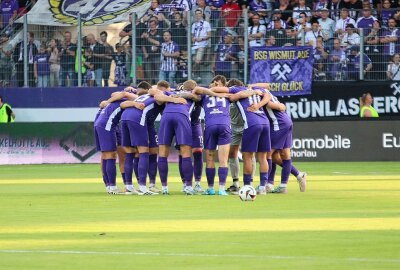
column 364, row 140
column 341, row 101
column 93, row 12
column 54, row 143
column 288, row 69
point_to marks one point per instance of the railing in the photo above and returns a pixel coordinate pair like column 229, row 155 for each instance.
column 175, row 46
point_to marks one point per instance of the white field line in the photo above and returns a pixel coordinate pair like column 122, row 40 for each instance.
column 244, row 256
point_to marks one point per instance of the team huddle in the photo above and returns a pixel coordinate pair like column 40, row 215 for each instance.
column 236, row 117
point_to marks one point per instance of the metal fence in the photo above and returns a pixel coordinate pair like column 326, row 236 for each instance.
column 178, row 45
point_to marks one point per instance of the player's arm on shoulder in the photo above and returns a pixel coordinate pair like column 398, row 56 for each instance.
column 262, row 85
column 265, row 100
column 244, row 94
column 220, row 89
column 277, row 106
column 161, row 99
column 131, row 103
column 120, row 95
column 205, row 91
column 188, row 95
column 103, row 104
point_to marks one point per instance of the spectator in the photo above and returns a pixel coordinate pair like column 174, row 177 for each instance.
column 320, row 56
column 270, row 41
column 351, row 37
column 67, row 61
column 97, row 58
column 5, row 65
column 260, row 7
column 353, row 63
column 301, row 8
column 241, row 58
column 201, row 4
column 313, row 34
column 201, row 33
column 178, row 31
column 302, row 25
column 6, row 113
column 366, row 109
column 225, row 57
column 285, row 7
column 169, row 59
column 278, row 32
column 120, row 69
column 108, row 53
column 156, row 11
column 327, row 24
column 336, row 60
column 277, row 14
column 8, row 12
column 393, row 69
column 390, row 40
column 18, row 57
column 335, row 7
column 374, row 50
column 42, row 67
column 354, row 7
column 215, row 6
column 151, row 41
column 54, row 61
column 386, row 13
column 318, row 6
column 291, row 37
column 256, row 32
column 366, row 21
column 344, row 20
column 230, row 13
column 89, row 75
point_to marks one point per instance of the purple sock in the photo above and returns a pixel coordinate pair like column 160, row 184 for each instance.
column 247, row 179
column 135, row 167
column 187, row 171
column 111, row 170
column 143, row 168
column 128, row 166
column 197, row 165
column 269, row 164
column 286, row 166
column 271, row 174
column 210, row 174
column 294, row 171
column 263, row 178
column 222, row 175
column 180, row 168
column 103, row 168
column 152, row 168
column 163, row 170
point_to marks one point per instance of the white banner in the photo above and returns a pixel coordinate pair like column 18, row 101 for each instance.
column 93, row 12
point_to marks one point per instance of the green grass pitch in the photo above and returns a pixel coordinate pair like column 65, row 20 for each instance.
column 59, row 217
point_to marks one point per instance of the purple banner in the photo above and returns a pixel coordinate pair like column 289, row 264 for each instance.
column 288, row 69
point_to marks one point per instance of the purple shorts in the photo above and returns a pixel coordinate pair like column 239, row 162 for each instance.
column 118, row 133
column 153, row 137
column 281, row 139
column 217, row 135
column 197, row 136
column 105, row 140
column 175, row 124
column 134, row 134
column 256, row 139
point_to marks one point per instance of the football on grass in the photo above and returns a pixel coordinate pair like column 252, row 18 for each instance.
column 247, row 193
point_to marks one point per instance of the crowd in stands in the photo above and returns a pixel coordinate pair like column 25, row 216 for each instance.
column 334, row 28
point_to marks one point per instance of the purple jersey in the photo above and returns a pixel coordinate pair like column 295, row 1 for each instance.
column 278, row 120
column 216, row 110
column 249, row 118
column 43, row 65
column 142, row 117
column 7, row 9
column 185, row 109
column 109, row 116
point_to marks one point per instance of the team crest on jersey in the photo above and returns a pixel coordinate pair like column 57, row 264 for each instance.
column 92, row 11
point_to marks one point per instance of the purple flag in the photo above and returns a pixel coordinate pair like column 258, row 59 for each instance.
column 288, row 69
